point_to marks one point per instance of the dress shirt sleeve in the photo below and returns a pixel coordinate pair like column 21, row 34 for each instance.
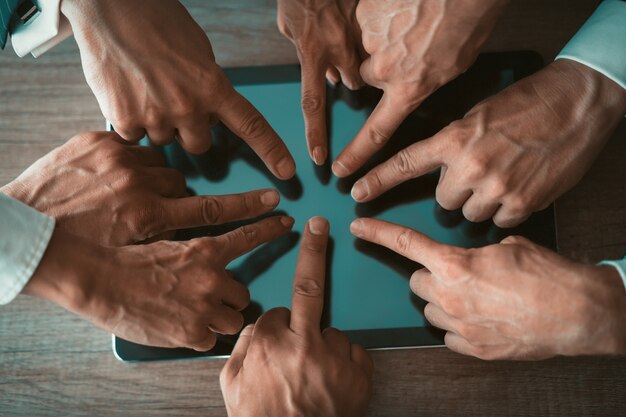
column 601, row 42
column 46, row 31
column 24, row 237
column 620, row 266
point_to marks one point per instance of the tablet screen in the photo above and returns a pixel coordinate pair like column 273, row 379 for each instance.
column 368, row 295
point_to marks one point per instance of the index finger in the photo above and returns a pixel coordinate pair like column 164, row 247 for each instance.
column 314, row 108
column 402, row 240
column 237, row 243
column 307, row 302
column 412, row 162
column 375, row 133
column 244, row 120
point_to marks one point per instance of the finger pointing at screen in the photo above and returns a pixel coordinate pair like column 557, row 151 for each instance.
column 512, row 300
column 285, row 365
column 415, row 47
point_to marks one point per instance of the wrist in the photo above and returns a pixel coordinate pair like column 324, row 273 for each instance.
column 16, row 192
column 67, row 272
column 605, row 330
column 578, row 78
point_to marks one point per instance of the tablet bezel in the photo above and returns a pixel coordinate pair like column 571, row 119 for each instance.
column 523, row 63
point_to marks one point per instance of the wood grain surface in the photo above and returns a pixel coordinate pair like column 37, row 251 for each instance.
column 54, row 364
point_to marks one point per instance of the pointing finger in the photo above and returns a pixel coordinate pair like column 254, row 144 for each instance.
column 412, row 162
column 402, row 240
column 314, row 108
column 198, row 211
column 307, row 302
column 243, row 240
column 375, row 133
column 244, row 120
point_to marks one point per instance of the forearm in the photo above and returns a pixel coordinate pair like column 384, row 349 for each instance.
column 66, row 271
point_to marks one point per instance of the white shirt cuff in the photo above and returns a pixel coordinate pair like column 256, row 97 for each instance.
column 620, row 266
column 599, row 44
column 44, row 32
column 24, row 237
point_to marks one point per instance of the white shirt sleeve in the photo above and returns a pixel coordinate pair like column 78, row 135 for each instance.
column 620, row 266
column 44, row 32
column 601, row 42
column 24, row 237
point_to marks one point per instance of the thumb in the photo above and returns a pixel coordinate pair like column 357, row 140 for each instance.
column 238, row 355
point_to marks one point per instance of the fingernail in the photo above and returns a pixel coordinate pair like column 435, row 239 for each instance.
column 247, row 331
column 356, row 227
column 360, row 190
column 319, row 155
column 286, row 168
column 318, row 226
column 270, row 198
column 339, row 169
column 287, row 221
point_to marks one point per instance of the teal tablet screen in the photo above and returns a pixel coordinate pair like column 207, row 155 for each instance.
column 367, row 286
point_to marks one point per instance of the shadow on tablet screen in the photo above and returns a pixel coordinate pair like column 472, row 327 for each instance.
column 367, row 286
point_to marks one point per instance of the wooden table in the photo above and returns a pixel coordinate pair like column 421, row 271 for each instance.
column 54, row 364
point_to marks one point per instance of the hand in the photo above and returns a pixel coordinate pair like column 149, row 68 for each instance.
column 284, row 366
column 326, row 38
column 115, row 194
column 513, row 300
column 152, row 69
column 514, row 153
column 416, row 46
column 168, row 294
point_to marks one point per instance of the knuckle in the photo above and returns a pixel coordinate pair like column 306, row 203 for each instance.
column 513, row 239
column 497, row 188
column 377, row 136
column 211, row 210
column 471, row 213
column 455, row 266
column 248, row 233
column 124, row 123
column 308, row 287
column 193, row 334
column 518, row 205
column 235, row 324
column 477, row 167
column 311, row 103
column 211, row 285
column 429, row 312
column 451, row 304
column 183, row 107
column 403, row 163
column 483, row 352
column 380, row 69
column 154, row 117
column 467, row 331
column 273, row 149
column 252, row 125
column 404, row 241
column 145, row 222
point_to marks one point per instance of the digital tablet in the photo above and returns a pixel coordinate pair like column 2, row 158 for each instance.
column 368, row 295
